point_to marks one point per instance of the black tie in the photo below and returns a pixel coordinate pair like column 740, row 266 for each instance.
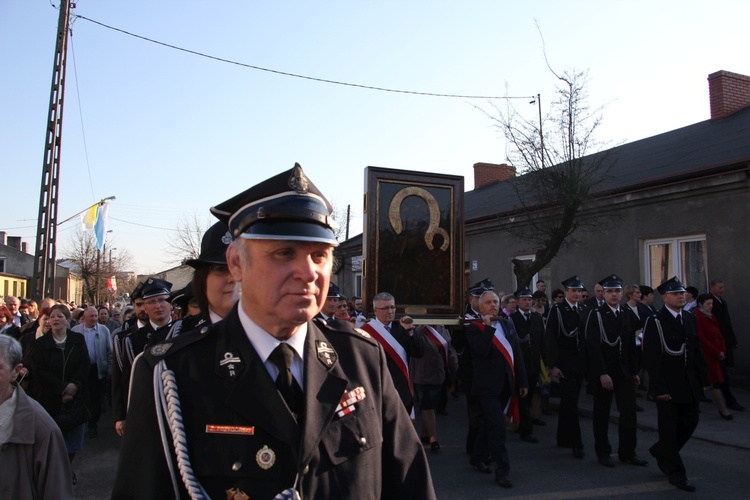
column 388, row 328
column 290, row 390
column 617, row 313
column 526, row 315
column 679, row 318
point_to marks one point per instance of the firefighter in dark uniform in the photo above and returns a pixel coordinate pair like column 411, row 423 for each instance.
column 269, row 401
column 673, row 358
column 610, row 340
column 530, row 331
column 564, row 352
column 123, row 360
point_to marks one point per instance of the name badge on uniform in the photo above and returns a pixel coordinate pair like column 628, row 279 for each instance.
column 326, row 354
column 346, row 405
column 230, row 429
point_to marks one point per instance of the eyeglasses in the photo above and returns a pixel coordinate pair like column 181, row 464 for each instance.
column 386, row 308
column 151, row 302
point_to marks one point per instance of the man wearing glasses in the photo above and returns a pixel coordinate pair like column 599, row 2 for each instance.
column 400, row 343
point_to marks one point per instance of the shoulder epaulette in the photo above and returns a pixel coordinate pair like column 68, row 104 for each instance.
column 174, row 344
column 344, row 327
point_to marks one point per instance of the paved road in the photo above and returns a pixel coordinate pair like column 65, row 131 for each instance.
column 717, row 461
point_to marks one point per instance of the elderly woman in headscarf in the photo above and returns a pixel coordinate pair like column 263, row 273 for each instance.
column 33, row 456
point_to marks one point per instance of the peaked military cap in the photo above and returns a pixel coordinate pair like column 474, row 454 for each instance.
column 573, row 282
column 523, row 292
column 287, row 206
column 154, row 286
column 611, row 281
column 672, row 285
column 213, row 247
column 479, row 288
column 333, row 291
column 181, row 297
column 136, row 293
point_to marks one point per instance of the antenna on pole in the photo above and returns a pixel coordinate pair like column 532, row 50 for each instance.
column 46, row 235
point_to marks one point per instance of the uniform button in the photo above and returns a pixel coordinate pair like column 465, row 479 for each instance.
column 307, row 469
column 236, row 466
column 362, row 441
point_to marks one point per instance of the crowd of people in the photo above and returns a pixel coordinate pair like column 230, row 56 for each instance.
column 267, row 349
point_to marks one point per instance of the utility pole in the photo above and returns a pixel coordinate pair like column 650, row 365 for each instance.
column 45, row 257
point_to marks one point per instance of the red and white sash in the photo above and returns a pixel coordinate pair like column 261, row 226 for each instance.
column 440, row 343
column 502, row 345
column 391, row 346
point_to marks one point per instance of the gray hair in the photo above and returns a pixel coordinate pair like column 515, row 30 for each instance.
column 382, row 296
column 506, row 298
column 10, row 349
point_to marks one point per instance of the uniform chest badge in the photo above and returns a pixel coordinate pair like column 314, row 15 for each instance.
column 265, row 457
column 160, row 349
column 326, row 354
column 236, row 494
column 230, row 364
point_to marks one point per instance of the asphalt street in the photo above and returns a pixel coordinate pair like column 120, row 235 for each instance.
column 717, row 459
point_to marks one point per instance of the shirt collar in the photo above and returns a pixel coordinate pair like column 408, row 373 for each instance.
column 264, row 343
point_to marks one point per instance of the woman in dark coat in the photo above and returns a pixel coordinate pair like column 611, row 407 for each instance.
column 714, row 350
column 60, row 363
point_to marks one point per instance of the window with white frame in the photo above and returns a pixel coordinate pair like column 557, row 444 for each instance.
column 684, row 257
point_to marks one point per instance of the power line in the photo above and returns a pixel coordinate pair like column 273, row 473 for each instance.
column 293, row 75
column 80, row 113
column 142, row 225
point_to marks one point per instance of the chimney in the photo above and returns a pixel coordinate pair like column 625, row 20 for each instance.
column 729, row 92
column 14, row 242
column 3, row 238
column 490, row 173
column 24, row 247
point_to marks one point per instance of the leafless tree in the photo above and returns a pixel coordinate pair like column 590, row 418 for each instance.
column 186, row 241
column 95, row 267
column 560, row 168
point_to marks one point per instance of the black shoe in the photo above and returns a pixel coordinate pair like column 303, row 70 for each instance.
column 503, row 480
column 435, row 446
column 726, row 417
column 634, row 460
column 638, row 408
column 529, row 438
column 538, row 422
column 606, row 461
column 481, row 465
column 682, row 483
column 578, row 453
column 425, row 439
column 736, row 406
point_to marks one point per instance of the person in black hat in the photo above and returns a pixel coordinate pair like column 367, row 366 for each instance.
column 610, row 340
column 123, row 359
column 333, row 297
column 676, row 367
column 564, row 353
column 530, row 331
column 271, row 401
column 155, row 295
column 213, row 286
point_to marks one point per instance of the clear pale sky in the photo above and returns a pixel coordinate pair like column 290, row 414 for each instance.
column 171, row 134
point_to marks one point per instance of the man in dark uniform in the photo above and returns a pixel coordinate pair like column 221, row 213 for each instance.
column 498, row 373
column 123, row 359
column 268, row 400
column 155, row 295
column 610, row 339
column 400, row 341
column 676, row 367
column 529, row 326
column 464, row 374
column 329, row 306
column 721, row 312
column 564, row 352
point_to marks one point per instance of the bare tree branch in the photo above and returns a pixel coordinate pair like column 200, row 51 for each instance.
column 186, row 242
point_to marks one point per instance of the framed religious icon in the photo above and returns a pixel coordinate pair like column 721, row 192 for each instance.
column 414, row 241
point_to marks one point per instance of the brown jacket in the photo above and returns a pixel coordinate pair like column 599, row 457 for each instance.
column 34, row 460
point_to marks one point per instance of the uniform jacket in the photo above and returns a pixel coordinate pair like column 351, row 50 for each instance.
column 559, row 350
column 493, row 375
column 617, row 361
column 679, row 376
column 712, row 343
column 721, row 311
column 103, row 346
column 414, row 348
column 55, row 369
column 34, row 460
column 371, row 452
column 530, row 336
